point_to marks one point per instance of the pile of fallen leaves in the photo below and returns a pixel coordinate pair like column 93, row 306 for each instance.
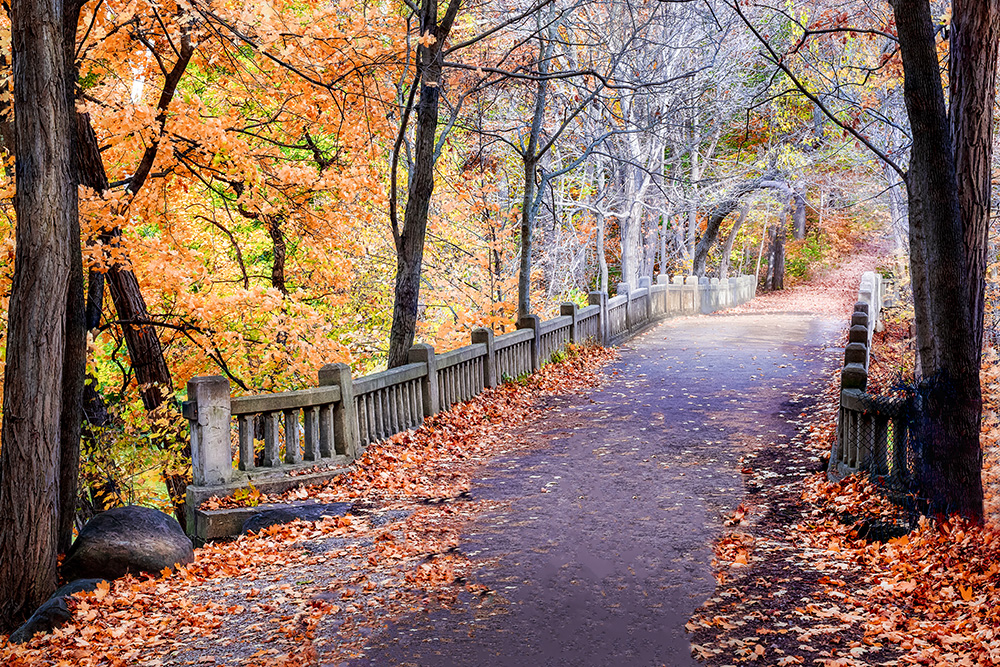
column 824, row 573
column 297, row 593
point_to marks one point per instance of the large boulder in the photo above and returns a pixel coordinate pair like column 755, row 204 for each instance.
column 53, row 613
column 279, row 515
column 127, row 539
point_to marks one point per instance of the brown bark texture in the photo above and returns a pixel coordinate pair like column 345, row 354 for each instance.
column 410, row 241
column 37, row 330
column 946, row 201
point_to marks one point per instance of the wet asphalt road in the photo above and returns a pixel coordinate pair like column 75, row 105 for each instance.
column 605, row 550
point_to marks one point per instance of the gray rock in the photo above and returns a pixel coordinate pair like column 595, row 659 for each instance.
column 311, row 512
column 53, row 613
column 128, row 539
column 390, row 516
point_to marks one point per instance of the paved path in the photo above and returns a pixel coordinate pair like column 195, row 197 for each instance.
column 605, row 551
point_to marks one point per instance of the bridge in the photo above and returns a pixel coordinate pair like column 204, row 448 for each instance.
column 602, row 548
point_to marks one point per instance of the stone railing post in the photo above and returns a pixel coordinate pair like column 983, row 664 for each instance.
column 208, row 413
column 647, row 284
column 691, row 287
column 485, row 336
column 626, row 289
column 855, row 372
column 344, row 414
column 571, row 310
column 533, row 322
column 423, row 353
column 664, row 306
column 600, row 299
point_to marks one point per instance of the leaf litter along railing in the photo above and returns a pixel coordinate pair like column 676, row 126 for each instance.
column 312, row 435
column 873, row 435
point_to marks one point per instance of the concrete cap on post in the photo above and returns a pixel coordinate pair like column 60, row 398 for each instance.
column 422, row 353
column 861, row 307
column 858, row 334
column 854, row 376
column 346, row 432
column 859, row 319
column 662, row 279
column 209, row 413
column 691, row 280
column 677, row 280
column 485, row 337
column 624, row 288
column 645, row 282
column 533, row 322
column 856, row 353
column 570, row 309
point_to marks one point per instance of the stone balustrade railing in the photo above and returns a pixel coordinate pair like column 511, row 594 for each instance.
column 871, row 430
column 314, row 434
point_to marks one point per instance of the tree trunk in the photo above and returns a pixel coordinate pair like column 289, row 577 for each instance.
column 775, row 278
column 45, row 289
column 278, row 244
column 718, row 215
column 975, row 42
column 527, row 232
column 410, row 240
column 529, row 161
column 799, row 215
column 939, row 190
column 151, row 372
column 727, row 249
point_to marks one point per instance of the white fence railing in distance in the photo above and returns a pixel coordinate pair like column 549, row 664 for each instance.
column 282, row 437
column 639, row 309
column 618, row 318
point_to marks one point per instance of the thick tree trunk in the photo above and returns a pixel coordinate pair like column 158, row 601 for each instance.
column 975, row 41
column 529, row 162
column 727, row 249
column 949, row 399
column 39, row 350
column 527, row 240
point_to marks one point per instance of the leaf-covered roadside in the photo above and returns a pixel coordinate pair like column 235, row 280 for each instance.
column 800, row 585
column 307, row 590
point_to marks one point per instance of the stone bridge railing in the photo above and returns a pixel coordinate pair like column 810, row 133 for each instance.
column 312, row 435
column 872, row 430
